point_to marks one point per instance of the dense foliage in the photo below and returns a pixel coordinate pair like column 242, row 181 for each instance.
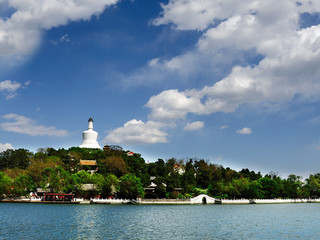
column 119, row 174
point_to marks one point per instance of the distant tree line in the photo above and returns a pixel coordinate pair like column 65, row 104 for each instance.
column 124, row 175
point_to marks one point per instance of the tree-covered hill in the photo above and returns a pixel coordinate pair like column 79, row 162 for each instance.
column 119, row 174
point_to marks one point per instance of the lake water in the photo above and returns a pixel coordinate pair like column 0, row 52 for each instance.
column 269, row 221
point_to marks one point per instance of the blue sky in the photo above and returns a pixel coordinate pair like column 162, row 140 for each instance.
column 234, row 82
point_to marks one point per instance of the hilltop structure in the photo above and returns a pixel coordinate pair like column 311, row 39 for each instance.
column 89, row 137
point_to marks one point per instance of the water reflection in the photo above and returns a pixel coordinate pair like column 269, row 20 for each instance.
column 41, row 221
column 86, row 222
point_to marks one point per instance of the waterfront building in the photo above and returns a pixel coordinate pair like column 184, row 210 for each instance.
column 63, row 197
column 89, row 137
column 130, row 154
column 180, row 170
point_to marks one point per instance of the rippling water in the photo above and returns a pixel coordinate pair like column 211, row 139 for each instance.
column 274, row 221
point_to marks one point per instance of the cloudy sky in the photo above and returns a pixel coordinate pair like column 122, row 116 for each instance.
column 234, row 82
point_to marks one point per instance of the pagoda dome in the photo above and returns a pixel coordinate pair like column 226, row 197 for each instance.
column 89, row 137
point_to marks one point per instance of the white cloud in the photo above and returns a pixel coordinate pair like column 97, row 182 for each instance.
column 5, row 146
column 197, row 14
column 224, row 127
column 194, row 126
column 24, row 125
column 181, row 68
column 153, row 62
column 137, row 132
column 200, row 14
column 65, row 38
column 172, row 104
column 290, row 55
column 224, row 61
column 10, row 88
column 20, row 33
column 244, row 131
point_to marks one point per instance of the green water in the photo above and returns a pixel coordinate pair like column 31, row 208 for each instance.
column 274, row 221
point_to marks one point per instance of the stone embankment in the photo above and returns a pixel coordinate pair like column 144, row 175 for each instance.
column 200, row 199
column 298, row 200
column 205, row 199
column 164, row 201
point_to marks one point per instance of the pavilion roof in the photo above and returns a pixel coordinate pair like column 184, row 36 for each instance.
column 88, row 162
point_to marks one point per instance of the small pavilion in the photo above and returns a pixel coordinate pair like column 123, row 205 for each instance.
column 89, row 165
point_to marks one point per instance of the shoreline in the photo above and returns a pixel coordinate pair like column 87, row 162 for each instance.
column 192, row 201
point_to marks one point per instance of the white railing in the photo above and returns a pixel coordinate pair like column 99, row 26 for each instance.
column 35, row 199
column 295, row 200
column 197, row 199
column 235, row 201
column 111, row 200
column 78, row 200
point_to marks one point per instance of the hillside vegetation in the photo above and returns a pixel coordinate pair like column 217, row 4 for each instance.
column 120, row 175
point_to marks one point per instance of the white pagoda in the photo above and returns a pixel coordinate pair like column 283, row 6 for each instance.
column 89, row 137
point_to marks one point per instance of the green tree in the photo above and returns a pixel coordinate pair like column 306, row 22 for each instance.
column 37, row 165
column 115, row 165
column 160, row 168
column 78, row 179
column 292, row 186
column 98, row 182
column 5, row 184
column 238, row 188
column 110, row 185
column 173, row 180
column 22, row 185
column 250, row 174
column 86, row 153
column 160, row 191
column 202, row 173
column 255, row 190
column 14, row 172
column 19, row 158
column 130, row 187
column 230, row 174
column 188, row 178
column 82, row 177
column 58, row 179
column 313, row 185
column 138, row 167
column 270, row 187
